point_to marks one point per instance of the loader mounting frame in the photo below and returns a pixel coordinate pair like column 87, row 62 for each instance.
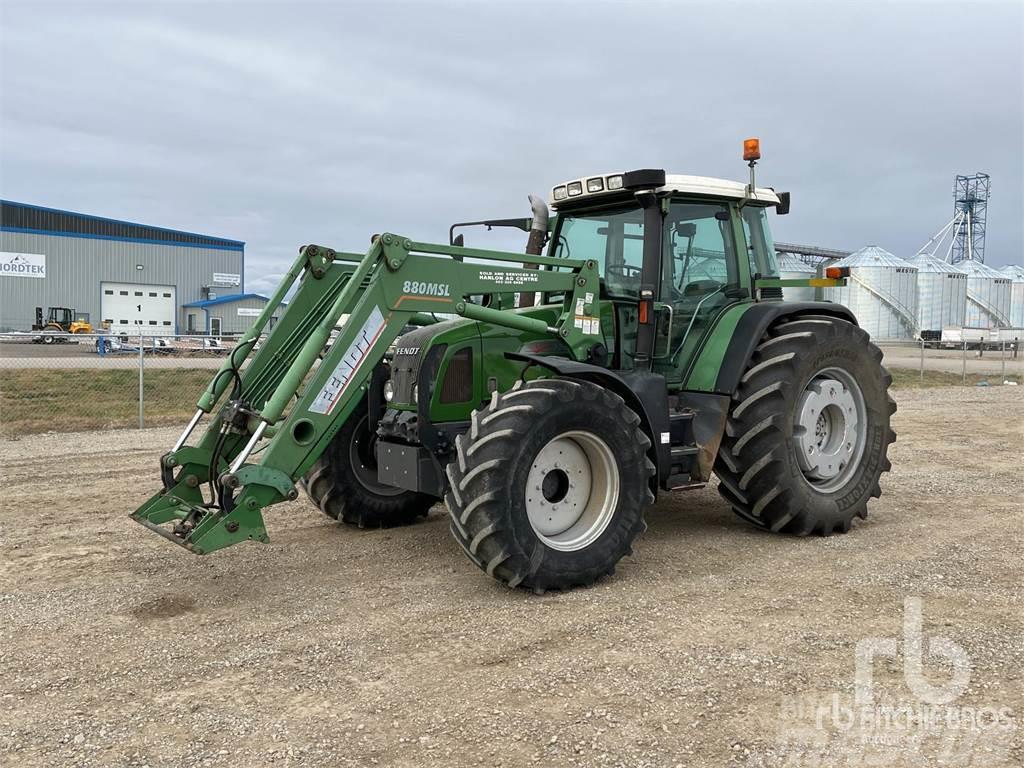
column 283, row 408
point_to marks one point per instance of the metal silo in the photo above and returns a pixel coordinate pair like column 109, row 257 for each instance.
column 1016, row 274
column 988, row 296
column 881, row 292
column 791, row 268
column 941, row 295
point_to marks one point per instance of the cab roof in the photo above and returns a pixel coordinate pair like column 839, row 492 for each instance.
column 683, row 184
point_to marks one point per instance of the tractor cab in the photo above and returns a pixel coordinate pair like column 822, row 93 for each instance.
column 679, row 248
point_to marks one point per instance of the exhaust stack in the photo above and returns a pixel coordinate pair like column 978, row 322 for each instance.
column 535, row 243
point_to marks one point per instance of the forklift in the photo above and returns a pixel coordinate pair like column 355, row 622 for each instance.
column 59, row 321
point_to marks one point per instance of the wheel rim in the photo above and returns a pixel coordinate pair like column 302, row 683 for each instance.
column 363, row 458
column 572, row 491
column 830, row 427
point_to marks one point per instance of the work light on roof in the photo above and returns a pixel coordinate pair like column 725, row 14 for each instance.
column 560, row 193
column 595, row 185
column 615, row 182
column 574, row 188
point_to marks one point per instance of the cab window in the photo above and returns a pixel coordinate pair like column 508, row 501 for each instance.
column 699, row 250
column 615, row 239
column 760, row 247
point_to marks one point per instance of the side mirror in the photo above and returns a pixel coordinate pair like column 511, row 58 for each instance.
column 459, row 240
column 686, row 229
column 783, row 205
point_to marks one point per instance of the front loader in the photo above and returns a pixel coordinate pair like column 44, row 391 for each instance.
column 651, row 348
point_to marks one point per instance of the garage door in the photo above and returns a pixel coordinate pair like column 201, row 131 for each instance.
column 127, row 307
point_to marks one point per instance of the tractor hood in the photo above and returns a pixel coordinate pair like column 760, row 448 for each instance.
column 448, row 359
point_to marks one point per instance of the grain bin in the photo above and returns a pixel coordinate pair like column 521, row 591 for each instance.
column 1016, row 275
column 988, row 296
column 791, row 268
column 881, row 292
column 941, row 295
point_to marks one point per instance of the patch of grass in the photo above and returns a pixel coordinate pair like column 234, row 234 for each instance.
column 910, row 378
column 68, row 400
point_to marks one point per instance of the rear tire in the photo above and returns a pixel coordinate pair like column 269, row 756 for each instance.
column 808, row 432
column 342, row 482
column 549, row 485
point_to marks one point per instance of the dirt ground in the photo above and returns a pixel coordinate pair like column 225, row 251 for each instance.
column 715, row 644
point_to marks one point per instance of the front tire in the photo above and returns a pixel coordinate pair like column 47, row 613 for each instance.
column 807, row 436
column 550, row 484
column 343, row 482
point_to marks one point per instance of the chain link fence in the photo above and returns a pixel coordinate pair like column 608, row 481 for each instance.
column 83, row 381
column 966, row 363
column 75, row 382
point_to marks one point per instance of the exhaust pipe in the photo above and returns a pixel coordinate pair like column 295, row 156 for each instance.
column 535, row 243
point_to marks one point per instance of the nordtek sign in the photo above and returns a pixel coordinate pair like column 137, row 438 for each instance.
column 22, row 265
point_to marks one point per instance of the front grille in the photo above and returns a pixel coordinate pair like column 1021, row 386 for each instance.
column 410, row 349
column 404, row 370
column 457, row 386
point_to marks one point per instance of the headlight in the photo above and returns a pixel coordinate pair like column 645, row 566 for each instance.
column 389, row 391
column 575, row 188
column 559, row 193
column 414, row 394
column 595, row 185
column 615, row 182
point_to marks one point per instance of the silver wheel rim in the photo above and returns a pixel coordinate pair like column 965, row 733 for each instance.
column 830, row 427
column 572, row 491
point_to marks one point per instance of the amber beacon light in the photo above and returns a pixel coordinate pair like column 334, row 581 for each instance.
column 751, row 149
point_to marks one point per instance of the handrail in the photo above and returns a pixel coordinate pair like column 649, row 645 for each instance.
column 909, row 318
column 999, row 316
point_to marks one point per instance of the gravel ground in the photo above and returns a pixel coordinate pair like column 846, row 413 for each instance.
column 340, row 647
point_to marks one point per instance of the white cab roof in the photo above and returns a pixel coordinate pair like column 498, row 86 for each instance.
column 690, row 185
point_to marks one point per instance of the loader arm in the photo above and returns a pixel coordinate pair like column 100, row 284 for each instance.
column 282, row 409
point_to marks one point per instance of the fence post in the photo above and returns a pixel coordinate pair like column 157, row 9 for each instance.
column 963, row 378
column 1002, row 361
column 142, row 350
column 922, row 360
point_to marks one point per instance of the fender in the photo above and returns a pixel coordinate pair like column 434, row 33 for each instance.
column 751, row 328
column 645, row 392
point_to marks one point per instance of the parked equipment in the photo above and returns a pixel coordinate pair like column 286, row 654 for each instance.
column 650, row 348
column 59, row 321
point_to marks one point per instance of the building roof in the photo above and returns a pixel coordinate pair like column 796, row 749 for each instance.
column 225, row 300
column 925, row 262
column 39, row 220
column 790, row 263
column 873, row 256
column 1015, row 271
column 976, row 268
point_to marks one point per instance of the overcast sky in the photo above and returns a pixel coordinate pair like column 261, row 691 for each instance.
column 283, row 124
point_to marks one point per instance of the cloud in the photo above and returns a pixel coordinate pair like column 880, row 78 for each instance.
column 283, row 124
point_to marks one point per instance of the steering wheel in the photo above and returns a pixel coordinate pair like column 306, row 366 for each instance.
column 624, row 271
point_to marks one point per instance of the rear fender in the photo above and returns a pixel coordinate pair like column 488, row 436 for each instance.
column 751, row 328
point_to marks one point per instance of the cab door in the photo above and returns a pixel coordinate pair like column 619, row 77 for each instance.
column 701, row 276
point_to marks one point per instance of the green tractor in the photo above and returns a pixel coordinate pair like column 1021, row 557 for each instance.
column 648, row 348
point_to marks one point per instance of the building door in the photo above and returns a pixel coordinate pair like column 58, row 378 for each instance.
column 133, row 308
column 215, row 323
